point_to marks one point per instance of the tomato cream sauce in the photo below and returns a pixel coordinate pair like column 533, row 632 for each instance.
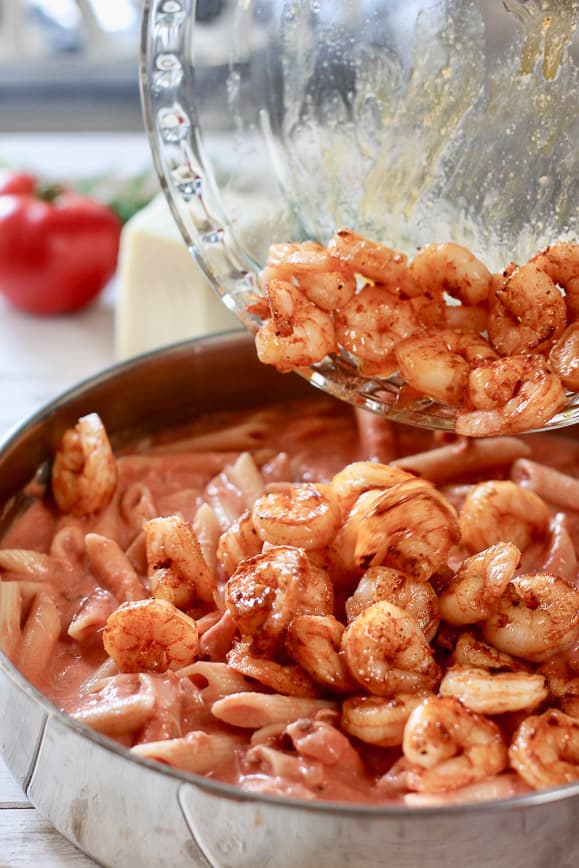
column 174, row 474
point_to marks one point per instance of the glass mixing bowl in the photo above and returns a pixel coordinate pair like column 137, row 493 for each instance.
column 409, row 121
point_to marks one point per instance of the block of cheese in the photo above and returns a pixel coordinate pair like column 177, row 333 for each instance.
column 162, row 294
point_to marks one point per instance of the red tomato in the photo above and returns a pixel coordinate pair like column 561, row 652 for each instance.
column 16, row 182
column 55, row 256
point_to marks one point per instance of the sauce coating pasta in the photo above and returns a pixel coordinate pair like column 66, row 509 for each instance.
column 309, row 601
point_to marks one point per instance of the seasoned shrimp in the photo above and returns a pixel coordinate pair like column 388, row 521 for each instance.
column 561, row 263
column 438, row 363
column 501, row 511
column 372, row 324
column 84, row 473
column 494, row 693
column 454, row 745
column 239, row 542
column 379, row 720
column 564, row 355
column 537, row 616
column 150, row 636
column 383, row 583
column 410, row 527
column 453, row 269
column 267, row 591
column 324, row 279
column 298, row 334
column 387, row 652
column 176, row 568
column 470, row 651
column 289, row 680
column 480, row 582
column 527, row 312
column 304, row 515
column 314, row 641
column 466, row 318
column 369, row 258
column 545, row 749
column 362, row 476
column 510, row 396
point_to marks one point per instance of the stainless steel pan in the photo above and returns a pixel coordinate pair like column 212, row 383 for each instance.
column 128, row 812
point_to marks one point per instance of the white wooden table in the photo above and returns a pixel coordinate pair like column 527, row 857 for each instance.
column 39, row 358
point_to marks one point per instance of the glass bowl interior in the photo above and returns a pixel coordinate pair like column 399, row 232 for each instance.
column 410, row 121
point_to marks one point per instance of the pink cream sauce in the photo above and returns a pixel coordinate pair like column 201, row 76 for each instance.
column 319, row 438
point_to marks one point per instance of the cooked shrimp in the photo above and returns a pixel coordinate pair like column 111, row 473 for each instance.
column 84, row 473
column 478, row 585
column 267, row 591
column 325, row 280
column 438, row 363
column 501, row 511
column 383, row 583
column 517, row 394
column 176, row 568
column 289, row 680
column 537, row 616
column 494, row 693
column 239, row 542
column 372, row 324
column 298, row 334
column 454, row 745
column 369, row 258
column 314, row 641
column 564, row 355
column 304, row 515
column 387, row 652
column 527, row 312
column 470, row 651
column 410, row 527
column 545, row 749
column 466, row 317
column 561, row 263
column 379, row 720
column 453, row 269
column 362, row 476
column 150, row 636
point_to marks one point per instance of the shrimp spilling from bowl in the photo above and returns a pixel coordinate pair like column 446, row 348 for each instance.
column 510, row 395
column 442, row 325
column 298, row 332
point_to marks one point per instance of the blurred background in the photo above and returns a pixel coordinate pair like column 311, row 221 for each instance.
column 69, row 65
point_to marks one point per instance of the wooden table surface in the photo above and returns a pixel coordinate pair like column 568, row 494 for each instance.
column 39, row 358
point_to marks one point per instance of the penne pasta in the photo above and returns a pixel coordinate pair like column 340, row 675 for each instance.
column 256, row 710
column 245, row 475
column 207, row 530
column 214, row 679
column 119, row 715
column 197, row 752
column 26, row 563
column 39, row 636
column 550, row 484
column 111, row 566
column 463, row 457
column 10, row 611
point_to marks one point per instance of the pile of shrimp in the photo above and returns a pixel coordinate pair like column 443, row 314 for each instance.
column 501, row 348
column 404, row 628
